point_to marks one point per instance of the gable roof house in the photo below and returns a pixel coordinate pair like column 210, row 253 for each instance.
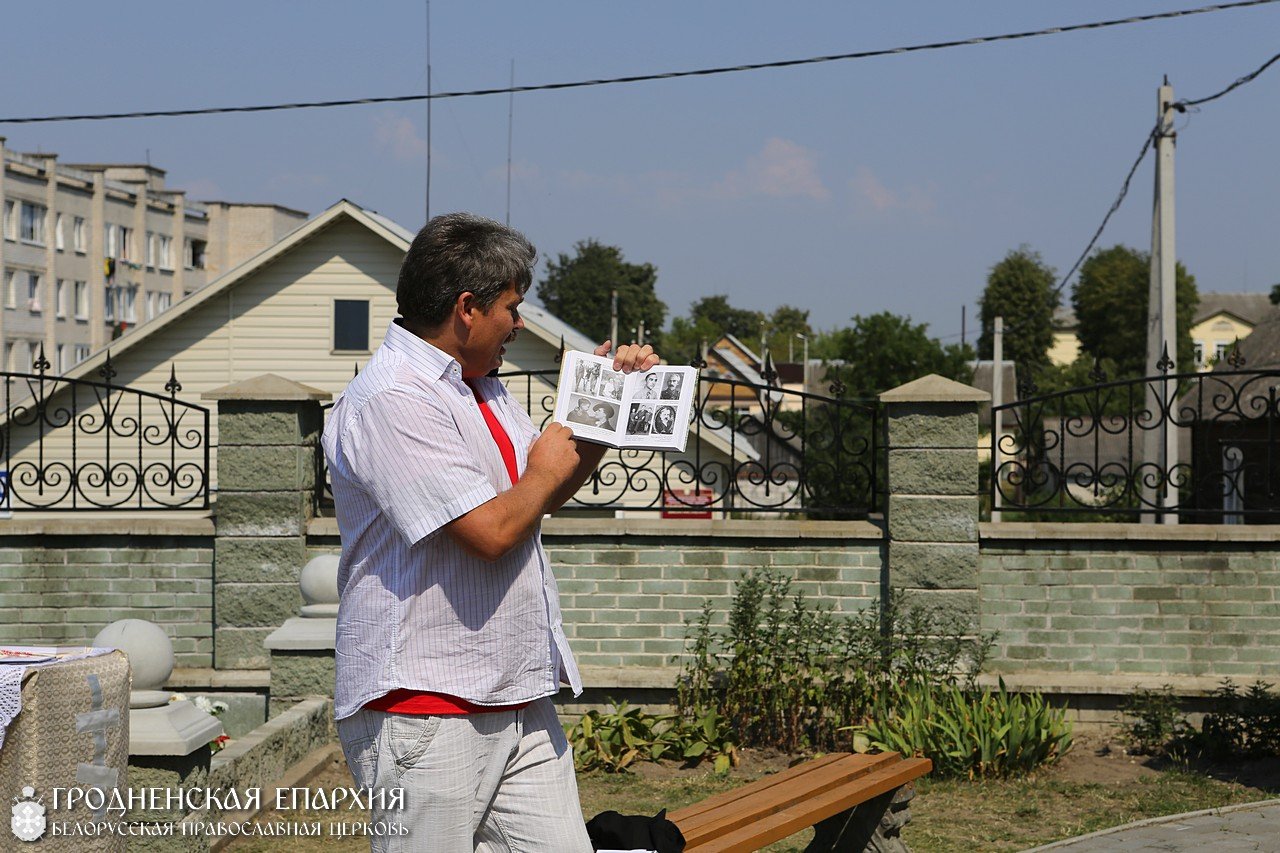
column 311, row 308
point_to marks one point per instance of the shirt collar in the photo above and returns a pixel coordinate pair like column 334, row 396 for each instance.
column 426, row 358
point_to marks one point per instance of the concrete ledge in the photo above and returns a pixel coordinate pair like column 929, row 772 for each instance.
column 186, row 678
column 629, row 676
column 683, row 527
column 1086, row 684
column 108, row 524
column 1104, row 532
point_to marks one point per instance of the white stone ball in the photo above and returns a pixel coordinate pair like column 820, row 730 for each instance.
column 147, row 646
column 319, row 580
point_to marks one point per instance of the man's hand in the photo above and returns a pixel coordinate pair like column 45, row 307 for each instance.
column 554, row 454
column 630, row 357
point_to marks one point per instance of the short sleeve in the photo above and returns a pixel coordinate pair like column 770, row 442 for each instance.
column 407, row 452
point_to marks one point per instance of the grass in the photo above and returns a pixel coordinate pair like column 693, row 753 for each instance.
column 946, row 815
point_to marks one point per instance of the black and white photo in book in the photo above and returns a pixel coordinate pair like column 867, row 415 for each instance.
column 664, row 420
column 581, row 411
column 585, row 378
column 649, row 386
column 672, row 382
column 640, row 419
column 611, row 384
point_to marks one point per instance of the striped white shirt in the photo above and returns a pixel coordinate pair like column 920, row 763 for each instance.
column 409, row 451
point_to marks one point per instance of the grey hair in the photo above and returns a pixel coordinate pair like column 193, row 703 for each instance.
column 458, row 253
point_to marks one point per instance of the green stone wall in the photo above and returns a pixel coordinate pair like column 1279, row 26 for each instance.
column 1133, row 608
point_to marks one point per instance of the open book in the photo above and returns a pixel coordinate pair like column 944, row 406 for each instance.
column 636, row 411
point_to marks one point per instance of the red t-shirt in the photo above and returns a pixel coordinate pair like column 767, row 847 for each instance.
column 421, row 702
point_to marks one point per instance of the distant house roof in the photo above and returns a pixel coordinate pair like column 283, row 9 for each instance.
column 1064, row 319
column 1251, row 308
column 538, row 320
column 1261, row 349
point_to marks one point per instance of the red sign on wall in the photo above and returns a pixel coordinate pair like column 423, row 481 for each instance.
column 687, row 503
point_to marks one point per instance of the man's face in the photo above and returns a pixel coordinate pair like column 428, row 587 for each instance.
column 490, row 332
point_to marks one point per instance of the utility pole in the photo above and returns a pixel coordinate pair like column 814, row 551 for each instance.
column 613, row 323
column 1160, row 446
column 805, row 356
column 997, row 399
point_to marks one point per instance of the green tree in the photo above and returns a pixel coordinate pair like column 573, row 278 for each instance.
column 577, row 290
column 783, row 325
column 710, row 318
column 1021, row 289
column 1110, row 302
column 885, row 350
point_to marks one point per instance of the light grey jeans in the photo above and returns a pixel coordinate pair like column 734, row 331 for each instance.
column 500, row 781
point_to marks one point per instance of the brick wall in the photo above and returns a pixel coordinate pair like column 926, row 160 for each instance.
column 63, row 580
column 1133, row 600
column 627, row 586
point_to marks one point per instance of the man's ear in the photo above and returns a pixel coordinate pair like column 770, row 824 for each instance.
column 466, row 307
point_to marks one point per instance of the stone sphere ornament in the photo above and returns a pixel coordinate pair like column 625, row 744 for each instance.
column 318, row 584
column 150, row 653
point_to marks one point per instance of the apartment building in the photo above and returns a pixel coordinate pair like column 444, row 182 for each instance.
column 91, row 250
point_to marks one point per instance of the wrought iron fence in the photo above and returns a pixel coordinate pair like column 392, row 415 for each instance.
column 1105, row 448
column 753, row 448
column 78, row 444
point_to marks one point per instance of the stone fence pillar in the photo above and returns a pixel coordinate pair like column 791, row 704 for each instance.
column 933, row 493
column 268, row 428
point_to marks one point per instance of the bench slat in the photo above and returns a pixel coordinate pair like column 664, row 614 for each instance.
column 796, row 817
column 760, row 802
column 791, row 776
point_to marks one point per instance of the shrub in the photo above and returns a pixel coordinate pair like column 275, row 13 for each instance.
column 625, row 734
column 794, row 677
column 966, row 732
column 1153, row 721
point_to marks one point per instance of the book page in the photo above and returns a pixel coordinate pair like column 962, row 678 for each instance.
column 657, row 406
column 589, row 397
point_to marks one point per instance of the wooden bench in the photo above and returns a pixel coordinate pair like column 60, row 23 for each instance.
column 850, row 799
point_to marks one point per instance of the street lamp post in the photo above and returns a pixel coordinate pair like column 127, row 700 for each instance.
column 805, row 356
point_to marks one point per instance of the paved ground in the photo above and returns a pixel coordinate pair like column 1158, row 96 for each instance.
column 1253, row 827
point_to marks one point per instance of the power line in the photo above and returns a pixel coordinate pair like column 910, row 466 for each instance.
column 642, row 78
column 1180, row 106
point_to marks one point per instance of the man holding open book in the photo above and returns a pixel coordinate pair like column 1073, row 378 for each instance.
column 449, row 642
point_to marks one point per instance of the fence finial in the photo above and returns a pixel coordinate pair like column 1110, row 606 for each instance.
column 108, row 370
column 1165, row 363
column 1236, row 360
column 1097, row 375
column 42, row 363
column 173, row 386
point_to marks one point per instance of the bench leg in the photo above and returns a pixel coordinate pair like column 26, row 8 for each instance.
column 875, row 826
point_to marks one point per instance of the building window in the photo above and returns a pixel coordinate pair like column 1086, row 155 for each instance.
column 10, row 291
column 10, row 222
column 60, row 299
column 59, row 240
column 151, row 249
column 82, row 352
column 1199, row 354
column 164, row 301
column 111, row 240
column 82, row 300
column 31, row 226
column 77, row 235
column 110, row 305
column 130, row 312
column 33, row 354
column 164, row 252
column 126, row 243
column 151, row 304
column 193, row 254
column 33, row 293
column 1220, row 350
column 64, row 358
column 351, row 325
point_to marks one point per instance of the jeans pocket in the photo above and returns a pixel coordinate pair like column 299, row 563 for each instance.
column 409, row 735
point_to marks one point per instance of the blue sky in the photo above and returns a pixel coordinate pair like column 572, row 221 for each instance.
column 844, row 188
